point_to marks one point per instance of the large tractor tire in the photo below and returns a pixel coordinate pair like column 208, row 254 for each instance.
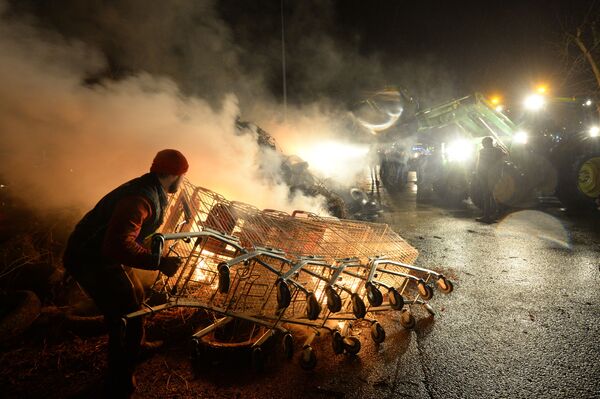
column 513, row 189
column 579, row 180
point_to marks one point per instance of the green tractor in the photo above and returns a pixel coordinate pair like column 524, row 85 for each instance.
column 554, row 151
column 565, row 132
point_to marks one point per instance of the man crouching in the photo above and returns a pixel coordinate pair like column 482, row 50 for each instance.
column 107, row 243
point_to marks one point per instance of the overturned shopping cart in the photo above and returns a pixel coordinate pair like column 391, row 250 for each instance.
column 258, row 272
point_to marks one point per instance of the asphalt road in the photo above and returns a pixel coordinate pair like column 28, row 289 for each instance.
column 522, row 322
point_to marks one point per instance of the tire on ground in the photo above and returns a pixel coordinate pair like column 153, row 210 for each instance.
column 18, row 310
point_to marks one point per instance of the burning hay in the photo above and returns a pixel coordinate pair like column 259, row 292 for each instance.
column 268, row 269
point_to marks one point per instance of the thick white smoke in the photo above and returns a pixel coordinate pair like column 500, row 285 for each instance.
column 65, row 144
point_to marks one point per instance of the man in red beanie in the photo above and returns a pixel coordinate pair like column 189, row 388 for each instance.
column 107, row 243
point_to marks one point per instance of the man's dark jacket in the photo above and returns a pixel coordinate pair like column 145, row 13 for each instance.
column 113, row 231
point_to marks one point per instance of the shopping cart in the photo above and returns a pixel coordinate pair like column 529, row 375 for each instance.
column 256, row 272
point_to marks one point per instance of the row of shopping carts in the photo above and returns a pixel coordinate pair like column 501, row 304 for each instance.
column 259, row 272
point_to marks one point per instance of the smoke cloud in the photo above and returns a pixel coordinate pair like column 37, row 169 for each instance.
column 65, row 144
column 93, row 89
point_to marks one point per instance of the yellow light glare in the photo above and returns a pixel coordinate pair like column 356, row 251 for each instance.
column 495, row 100
column 542, row 89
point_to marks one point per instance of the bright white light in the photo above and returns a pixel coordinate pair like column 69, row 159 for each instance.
column 588, row 102
column 335, row 159
column 594, row 131
column 499, row 108
column 521, row 137
column 459, row 150
column 534, row 102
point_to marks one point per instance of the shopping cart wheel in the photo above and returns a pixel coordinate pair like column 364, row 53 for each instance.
column 313, row 308
column 358, row 307
column 374, row 296
column 445, row 285
column 337, row 342
column 425, row 291
column 224, row 279
column 407, row 320
column 334, row 302
column 308, row 358
column 258, row 359
column 287, row 344
column 284, row 296
column 395, row 299
column 352, row 345
column 377, row 333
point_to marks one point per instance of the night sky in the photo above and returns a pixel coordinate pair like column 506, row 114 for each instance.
column 489, row 46
column 336, row 50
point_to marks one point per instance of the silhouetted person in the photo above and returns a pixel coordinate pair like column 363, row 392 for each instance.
column 108, row 242
column 488, row 173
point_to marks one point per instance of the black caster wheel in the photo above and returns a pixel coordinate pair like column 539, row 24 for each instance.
column 374, row 296
column 358, row 307
column 224, row 278
column 395, row 299
column 313, row 308
column 287, row 344
column 308, row 359
column 352, row 345
column 334, row 302
column 284, row 296
column 407, row 320
column 258, row 359
column 445, row 285
column 425, row 291
column 377, row 333
column 337, row 341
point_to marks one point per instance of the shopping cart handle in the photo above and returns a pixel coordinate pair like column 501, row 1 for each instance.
column 269, row 210
column 300, row 212
column 156, row 247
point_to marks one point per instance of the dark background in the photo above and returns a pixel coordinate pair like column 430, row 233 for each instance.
column 335, row 50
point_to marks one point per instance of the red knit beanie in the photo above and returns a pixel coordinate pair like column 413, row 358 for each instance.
column 169, row 162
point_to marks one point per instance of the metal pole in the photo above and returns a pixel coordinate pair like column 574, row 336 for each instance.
column 283, row 64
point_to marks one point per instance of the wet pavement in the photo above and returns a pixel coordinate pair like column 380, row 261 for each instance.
column 522, row 322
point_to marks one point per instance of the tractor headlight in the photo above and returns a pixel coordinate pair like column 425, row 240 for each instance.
column 521, row 137
column 534, row 102
column 594, row 131
column 459, row 150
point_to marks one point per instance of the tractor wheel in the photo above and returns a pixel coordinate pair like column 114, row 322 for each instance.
column 512, row 189
column 579, row 182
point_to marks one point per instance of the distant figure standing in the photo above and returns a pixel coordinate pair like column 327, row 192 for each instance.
column 488, row 172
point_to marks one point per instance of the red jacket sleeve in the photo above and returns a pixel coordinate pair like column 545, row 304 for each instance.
column 123, row 230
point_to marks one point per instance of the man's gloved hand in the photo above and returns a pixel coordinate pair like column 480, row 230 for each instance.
column 169, row 265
